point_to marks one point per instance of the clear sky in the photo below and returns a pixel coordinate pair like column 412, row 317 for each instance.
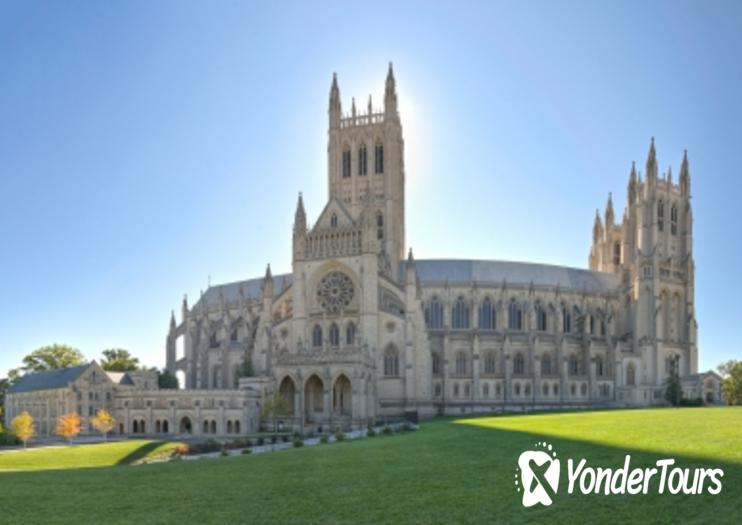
column 145, row 146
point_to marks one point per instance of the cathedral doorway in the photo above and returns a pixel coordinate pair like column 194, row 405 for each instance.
column 314, row 397
column 342, row 397
column 186, row 427
column 288, row 391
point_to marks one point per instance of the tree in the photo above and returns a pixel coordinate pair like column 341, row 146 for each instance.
column 103, row 422
column 166, row 379
column 731, row 386
column 118, row 360
column 52, row 357
column 68, row 426
column 23, row 427
column 245, row 369
column 4, row 385
column 274, row 407
column 673, row 391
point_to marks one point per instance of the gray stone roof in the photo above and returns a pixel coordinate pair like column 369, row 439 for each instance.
column 468, row 271
column 252, row 289
column 59, row 378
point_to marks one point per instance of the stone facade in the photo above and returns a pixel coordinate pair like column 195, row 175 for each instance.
column 357, row 331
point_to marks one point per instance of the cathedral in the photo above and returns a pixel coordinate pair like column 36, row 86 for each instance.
column 360, row 331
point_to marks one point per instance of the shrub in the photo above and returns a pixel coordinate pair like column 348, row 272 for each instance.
column 695, row 402
column 298, row 442
column 274, row 439
column 246, row 451
column 387, row 430
column 323, row 439
column 370, row 432
column 406, row 427
column 261, row 441
column 339, row 435
column 224, row 452
column 182, row 450
column 285, row 438
column 297, row 434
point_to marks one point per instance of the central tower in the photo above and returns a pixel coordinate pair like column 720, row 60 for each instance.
column 365, row 164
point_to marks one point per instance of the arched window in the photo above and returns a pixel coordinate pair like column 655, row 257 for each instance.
column 486, row 390
column 434, row 314
column 334, row 221
column 517, row 389
column 674, row 220
column 540, row 318
column 519, row 365
column 583, row 389
column 546, row 364
column 572, row 389
column 317, row 336
column 574, row 365
column 334, row 335
column 437, row 390
column 346, row 162
column 599, row 370
column 515, row 316
column 617, row 253
column 391, row 362
column 379, row 226
column 461, row 363
column 379, row 158
column 350, row 334
column 566, row 320
column 467, row 390
column 527, row 389
column 213, row 342
column 436, row 364
column 661, row 215
column 576, row 320
column 460, row 314
column 631, row 374
column 555, row 389
column 362, row 160
column 490, row 363
column 455, row 390
column 545, row 389
column 592, row 324
column 487, row 317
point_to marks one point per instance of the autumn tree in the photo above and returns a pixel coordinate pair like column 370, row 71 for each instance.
column 118, row 360
column 23, row 427
column 68, row 426
column 103, row 422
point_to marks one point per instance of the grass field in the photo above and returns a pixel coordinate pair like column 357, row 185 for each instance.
column 83, row 456
column 451, row 471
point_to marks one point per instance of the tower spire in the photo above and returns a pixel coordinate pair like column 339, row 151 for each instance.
column 685, row 174
column 597, row 227
column 335, row 108
column 300, row 217
column 632, row 183
column 652, row 162
column 390, row 93
column 609, row 211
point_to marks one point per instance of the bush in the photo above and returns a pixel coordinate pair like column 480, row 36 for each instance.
column 370, row 432
column 206, row 447
column 323, row 439
column 261, row 441
column 182, row 450
column 274, row 439
column 298, row 442
column 388, row 430
column 285, row 438
column 339, row 435
column 246, row 451
column 224, row 452
column 406, row 427
column 695, row 402
column 297, row 434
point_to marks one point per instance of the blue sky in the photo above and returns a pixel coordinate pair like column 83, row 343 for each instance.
column 145, row 146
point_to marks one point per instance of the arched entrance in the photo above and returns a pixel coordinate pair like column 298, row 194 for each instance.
column 342, row 397
column 165, row 427
column 288, row 391
column 314, row 397
column 186, row 427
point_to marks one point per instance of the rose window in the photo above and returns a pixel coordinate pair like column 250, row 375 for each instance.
column 335, row 292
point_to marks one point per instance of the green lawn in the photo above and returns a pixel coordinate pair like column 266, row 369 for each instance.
column 451, row 471
column 83, row 456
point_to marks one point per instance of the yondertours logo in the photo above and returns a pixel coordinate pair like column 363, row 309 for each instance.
column 538, row 473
